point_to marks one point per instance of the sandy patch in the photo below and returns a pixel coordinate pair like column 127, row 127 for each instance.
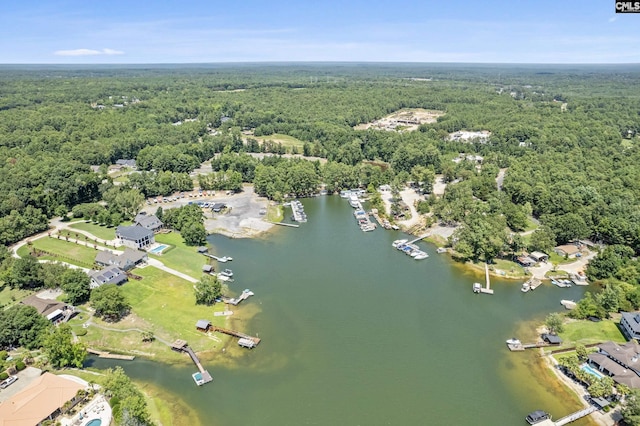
column 403, row 120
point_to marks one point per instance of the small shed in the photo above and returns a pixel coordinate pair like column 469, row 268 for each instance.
column 207, row 269
column 203, row 325
column 538, row 256
column 202, row 249
column 551, row 339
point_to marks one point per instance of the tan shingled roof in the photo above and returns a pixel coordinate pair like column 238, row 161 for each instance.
column 37, row 401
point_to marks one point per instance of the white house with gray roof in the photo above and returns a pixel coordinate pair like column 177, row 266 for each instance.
column 135, row 237
column 108, row 275
column 125, row 261
column 630, row 324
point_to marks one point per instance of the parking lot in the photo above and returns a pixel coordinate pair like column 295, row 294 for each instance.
column 243, row 216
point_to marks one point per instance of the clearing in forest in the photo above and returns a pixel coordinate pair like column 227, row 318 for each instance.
column 286, row 140
column 403, row 120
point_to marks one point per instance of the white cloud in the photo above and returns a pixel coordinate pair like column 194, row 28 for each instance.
column 87, row 52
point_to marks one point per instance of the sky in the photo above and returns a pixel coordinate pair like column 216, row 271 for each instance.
column 204, row 31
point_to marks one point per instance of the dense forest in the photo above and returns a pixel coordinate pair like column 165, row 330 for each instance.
column 567, row 136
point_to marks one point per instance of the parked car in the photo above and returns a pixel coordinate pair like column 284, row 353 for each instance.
column 8, row 382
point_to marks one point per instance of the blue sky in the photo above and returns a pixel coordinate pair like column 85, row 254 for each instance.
column 162, row 31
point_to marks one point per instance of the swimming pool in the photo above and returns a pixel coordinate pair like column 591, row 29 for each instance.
column 94, row 422
column 159, row 249
column 588, row 369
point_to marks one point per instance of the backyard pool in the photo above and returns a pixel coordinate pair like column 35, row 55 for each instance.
column 159, row 249
column 589, row 369
column 94, row 422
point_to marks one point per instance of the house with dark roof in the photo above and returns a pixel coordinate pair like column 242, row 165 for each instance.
column 53, row 310
column 126, row 163
column 127, row 260
column 109, row 275
column 620, row 362
column 148, row 221
column 630, row 324
column 135, row 237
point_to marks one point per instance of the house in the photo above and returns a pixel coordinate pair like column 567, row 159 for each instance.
column 109, row 275
column 568, row 250
column 525, row 261
column 135, row 237
column 630, row 324
column 551, row 339
column 203, row 325
column 148, row 221
column 218, row 207
column 126, row 163
column 620, row 362
column 53, row 310
column 129, row 259
column 539, row 256
column 41, row 400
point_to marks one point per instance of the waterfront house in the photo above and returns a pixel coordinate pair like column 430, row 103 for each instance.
column 539, row 256
column 620, row 362
column 51, row 309
column 568, row 250
column 135, row 237
column 109, row 275
column 525, row 261
column 630, row 324
column 148, row 221
column 127, row 260
column 42, row 400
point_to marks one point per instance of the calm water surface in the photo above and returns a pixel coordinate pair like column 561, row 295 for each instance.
column 356, row 333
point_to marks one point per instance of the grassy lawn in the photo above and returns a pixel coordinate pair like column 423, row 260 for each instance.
column 10, row 296
column 180, row 256
column 559, row 260
column 65, row 251
column 285, row 140
column 586, row 332
column 102, row 232
column 275, row 213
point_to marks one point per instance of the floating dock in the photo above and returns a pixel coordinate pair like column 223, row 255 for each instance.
column 487, row 289
column 290, row 225
column 203, row 375
column 298, row 211
column 246, row 293
column 222, row 259
column 522, row 346
column 245, row 338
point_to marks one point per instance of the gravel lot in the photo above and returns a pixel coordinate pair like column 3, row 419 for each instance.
column 241, row 219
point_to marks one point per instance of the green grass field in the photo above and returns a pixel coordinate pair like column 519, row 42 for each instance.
column 180, row 256
column 62, row 250
column 102, row 232
column 9, row 296
column 275, row 213
column 586, row 332
column 285, row 140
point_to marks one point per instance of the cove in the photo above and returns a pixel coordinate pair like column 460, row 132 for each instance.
column 354, row 332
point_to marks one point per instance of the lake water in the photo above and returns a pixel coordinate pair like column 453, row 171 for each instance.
column 356, row 333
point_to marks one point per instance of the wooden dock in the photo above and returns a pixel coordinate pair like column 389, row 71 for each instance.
column 419, row 238
column 182, row 346
column 534, row 283
column 236, row 300
column 487, row 289
column 575, row 416
column 291, row 225
column 109, row 355
column 222, row 259
column 523, row 346
column 255, row 340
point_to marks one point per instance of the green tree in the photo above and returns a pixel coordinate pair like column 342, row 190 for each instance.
column 75, row 284
column 581, row 352
column 554, row 322
column 22, row 325
column 631, row 408
column 128, row 403
column 194, row 234
column 60, row 350
column 109, row 302
column 207, row 290
column 542, row 239
column 25, row 273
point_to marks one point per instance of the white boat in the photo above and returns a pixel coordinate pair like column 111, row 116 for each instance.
column 421, row 256
column 514, row 341
column 568, row 304
column 226, row 273
column 441, row 250
column 354, row 201
column 477, row 287
column 397, row 243
column 525, row 287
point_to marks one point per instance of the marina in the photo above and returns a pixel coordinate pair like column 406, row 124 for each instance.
column 410, row 248
column 298, row 214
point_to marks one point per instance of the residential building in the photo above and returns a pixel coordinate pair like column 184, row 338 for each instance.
column 53, row 310
column 539, row 256
column 568, row 250
column 135, row 237
column 129, row 259
column 41, row 400
column 620, row 362
column 109, row 275
column 630, row 324
column 148, row 221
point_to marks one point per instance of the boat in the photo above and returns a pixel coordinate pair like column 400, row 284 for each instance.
column 537, row 416
column 395, row 227
column 421, row 256
column 514, row 341
column 477, row 287
column 568, row 304
column 441, row 250
column 226, row 273
column 397, row 243
column 525, row 287
column 354, row 201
